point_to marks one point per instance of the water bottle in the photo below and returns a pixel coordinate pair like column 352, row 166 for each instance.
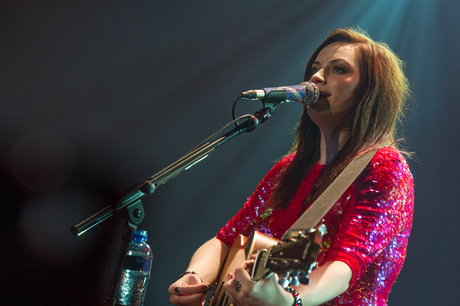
column 135, row 273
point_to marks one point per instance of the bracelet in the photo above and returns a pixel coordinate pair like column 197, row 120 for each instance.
column 190, row 272
column 296, row 295
column 210, row 287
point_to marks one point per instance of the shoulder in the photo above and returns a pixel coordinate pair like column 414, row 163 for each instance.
column 389, row 165
column 389, row 153
column 283, row 162
column 389, row 157
column 287, row 158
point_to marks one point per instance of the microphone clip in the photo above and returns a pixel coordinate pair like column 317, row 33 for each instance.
column 265, row 113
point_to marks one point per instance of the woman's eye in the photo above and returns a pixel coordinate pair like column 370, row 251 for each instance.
column 339, row 69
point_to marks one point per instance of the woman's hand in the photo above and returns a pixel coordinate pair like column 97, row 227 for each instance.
column 246, row 292
column 188, row 290
column 191, row 289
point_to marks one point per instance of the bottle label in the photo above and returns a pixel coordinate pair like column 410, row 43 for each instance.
column 137, row 263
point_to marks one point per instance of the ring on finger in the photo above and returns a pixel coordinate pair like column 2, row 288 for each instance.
column 177, row 290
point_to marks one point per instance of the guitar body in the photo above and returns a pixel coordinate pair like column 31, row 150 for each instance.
column 294, row 256
column 240, row 251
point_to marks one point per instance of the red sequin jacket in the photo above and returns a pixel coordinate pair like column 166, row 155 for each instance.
column 367, row 228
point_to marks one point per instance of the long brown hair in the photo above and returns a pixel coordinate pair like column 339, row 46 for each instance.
column 376, row 111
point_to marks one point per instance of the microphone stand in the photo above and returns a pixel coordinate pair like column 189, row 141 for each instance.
column 130, row 211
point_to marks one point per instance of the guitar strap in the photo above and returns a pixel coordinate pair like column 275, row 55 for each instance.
column 314, row 214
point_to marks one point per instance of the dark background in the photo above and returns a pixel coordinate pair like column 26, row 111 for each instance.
column 98, row 95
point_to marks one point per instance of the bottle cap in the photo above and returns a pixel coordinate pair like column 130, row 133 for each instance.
column 140, row 235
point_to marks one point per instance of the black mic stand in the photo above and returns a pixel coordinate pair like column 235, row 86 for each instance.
column 130, row 212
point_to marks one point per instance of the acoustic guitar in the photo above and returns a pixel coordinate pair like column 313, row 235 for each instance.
column 294, row 256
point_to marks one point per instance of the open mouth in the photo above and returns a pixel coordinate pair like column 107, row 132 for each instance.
column 324, row 94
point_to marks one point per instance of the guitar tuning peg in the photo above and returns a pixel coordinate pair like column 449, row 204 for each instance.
column 269, row 275
column 304, row 280
column 294, row 278
column 284, row 281
column 295, row 282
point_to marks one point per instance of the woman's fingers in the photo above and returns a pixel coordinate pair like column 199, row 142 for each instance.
column 239, row 284
column 185, row 289
column 188, row 291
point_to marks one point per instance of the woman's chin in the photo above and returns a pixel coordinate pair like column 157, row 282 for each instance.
column 320, row 107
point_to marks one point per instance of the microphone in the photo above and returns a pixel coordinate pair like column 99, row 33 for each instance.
column 306, row 93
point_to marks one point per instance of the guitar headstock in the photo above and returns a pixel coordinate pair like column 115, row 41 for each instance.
column 294, row 256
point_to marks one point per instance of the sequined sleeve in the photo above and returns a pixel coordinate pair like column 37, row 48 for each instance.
column 256, row 211
column 375, row 229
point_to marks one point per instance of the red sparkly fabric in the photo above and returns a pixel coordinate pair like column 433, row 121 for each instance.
column 367, row 228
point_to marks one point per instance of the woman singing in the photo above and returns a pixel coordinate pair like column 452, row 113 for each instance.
column 363, row 94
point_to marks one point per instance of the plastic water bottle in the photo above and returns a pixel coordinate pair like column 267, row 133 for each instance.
column 135, row 274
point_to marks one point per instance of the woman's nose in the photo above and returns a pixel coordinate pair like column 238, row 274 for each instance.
column 318, row 77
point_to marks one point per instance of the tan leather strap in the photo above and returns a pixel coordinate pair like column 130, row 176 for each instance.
column 314, row 214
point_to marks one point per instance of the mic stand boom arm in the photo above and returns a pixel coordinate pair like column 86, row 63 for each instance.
column 141, row 190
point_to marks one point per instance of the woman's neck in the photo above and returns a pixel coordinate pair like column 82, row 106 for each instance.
column 329, row 146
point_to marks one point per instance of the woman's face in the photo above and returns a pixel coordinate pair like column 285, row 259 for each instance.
column 336, row 73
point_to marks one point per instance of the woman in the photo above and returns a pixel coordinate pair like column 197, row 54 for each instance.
column 363, row 92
